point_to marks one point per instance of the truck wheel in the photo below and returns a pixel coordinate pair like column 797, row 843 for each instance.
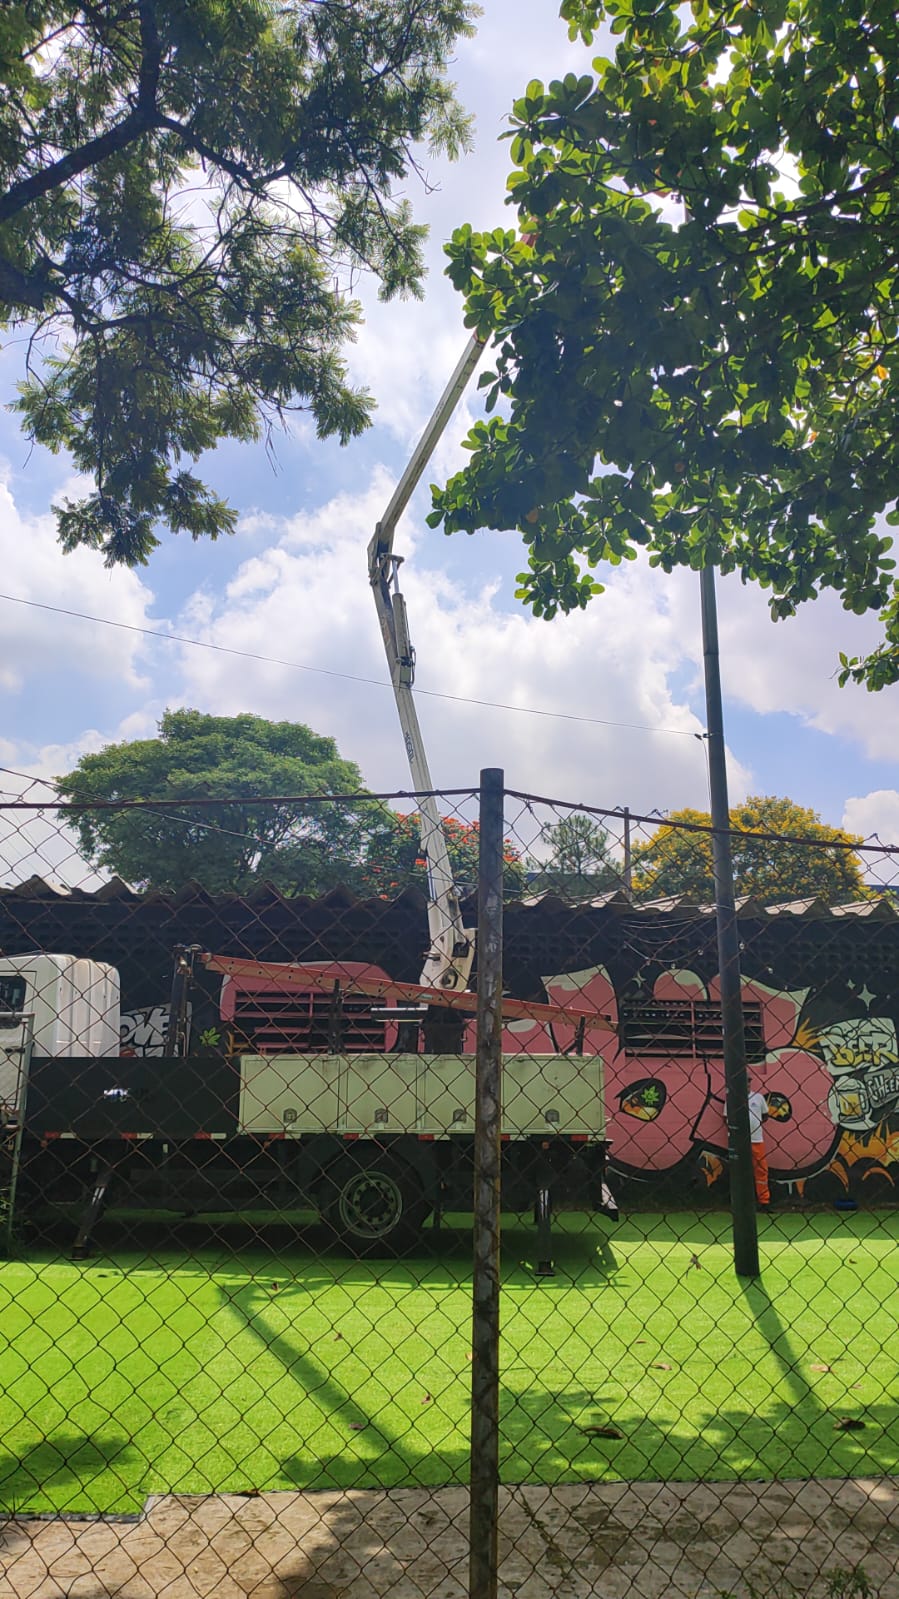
column 374, row 1205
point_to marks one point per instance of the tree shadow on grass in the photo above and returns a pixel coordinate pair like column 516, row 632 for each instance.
column 562, row 1437
column 56, row 1474
column 549, row 1417
column 349, row 1445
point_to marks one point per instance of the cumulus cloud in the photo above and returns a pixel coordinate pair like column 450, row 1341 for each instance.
column 38, row 643
column 36, row 843
column 792, row 666
column 405, row 356
column 874, row 816
column 612, row 732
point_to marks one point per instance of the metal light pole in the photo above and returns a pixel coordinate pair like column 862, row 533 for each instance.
column 742, row 1185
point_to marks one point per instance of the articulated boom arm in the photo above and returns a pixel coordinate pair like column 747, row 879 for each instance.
column 451, row 945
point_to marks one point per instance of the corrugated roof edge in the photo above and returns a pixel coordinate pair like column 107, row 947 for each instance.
column 36, row 888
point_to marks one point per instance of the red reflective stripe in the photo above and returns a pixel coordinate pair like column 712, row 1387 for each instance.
column 48, row 1136
column 579, row 1138
column 129, row 1135
column 426, row 1138
column 350, row 1135
column 202, row 1135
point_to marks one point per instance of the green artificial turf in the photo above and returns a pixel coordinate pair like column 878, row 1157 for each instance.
column 246, row 1369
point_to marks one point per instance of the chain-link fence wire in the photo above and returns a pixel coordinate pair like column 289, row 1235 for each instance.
column 238, row 1235
column 656, row 1363
column 238, row 1207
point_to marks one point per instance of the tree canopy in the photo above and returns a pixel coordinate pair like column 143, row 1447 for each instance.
column 792, row 864
column 232, row 842
column 577, row 865
column 393, row 857
column 697, row 333
column 186, row 192
column 300, row 847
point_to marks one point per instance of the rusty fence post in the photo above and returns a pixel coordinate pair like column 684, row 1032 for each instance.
column 484, row 1467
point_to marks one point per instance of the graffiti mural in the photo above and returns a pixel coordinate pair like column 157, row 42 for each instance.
column 831, row 1082
column 143, row 1032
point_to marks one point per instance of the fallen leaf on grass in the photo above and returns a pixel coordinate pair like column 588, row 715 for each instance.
column 426, row 1400
column 820, row 1368
column 598, row 1431
column 661, row 1365
column 357, row 1426
column 848, row 1424
column 338, row 1335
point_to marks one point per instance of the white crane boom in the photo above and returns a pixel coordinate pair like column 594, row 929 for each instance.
column 451, row 945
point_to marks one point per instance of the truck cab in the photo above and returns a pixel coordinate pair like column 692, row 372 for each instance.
column 52, row 1005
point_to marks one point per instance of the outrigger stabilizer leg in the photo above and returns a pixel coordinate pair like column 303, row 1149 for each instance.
column 92, row 1212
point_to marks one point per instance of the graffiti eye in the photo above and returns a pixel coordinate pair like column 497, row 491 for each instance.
column 644, row 1100
column 779, row 1107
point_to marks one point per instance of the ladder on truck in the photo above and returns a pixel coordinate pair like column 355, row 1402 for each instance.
column 15, row 1062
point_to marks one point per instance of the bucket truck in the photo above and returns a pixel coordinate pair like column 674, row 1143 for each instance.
column 451, row 945
column 318, row 1089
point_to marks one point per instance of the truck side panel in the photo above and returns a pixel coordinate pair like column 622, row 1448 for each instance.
column 114, row 1096
column 430, row 1095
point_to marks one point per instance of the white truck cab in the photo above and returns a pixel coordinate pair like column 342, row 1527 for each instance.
column 53, row 1005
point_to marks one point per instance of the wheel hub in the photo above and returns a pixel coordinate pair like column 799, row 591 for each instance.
column 370, row 1205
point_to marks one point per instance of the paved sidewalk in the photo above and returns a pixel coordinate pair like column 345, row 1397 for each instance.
column 618, row 1541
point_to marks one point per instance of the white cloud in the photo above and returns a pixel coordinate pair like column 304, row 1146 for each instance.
column 36, row 843
column 792, row 666
column 39, row 843
column 405, row 354
column 874, row 816
column 307, row 599
column 41, row 642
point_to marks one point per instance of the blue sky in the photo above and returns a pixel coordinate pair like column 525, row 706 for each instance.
column 292, row 583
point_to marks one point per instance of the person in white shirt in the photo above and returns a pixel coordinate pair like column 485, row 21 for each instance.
column 758, row 1113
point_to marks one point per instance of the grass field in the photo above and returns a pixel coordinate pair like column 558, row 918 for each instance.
column 248, row 1368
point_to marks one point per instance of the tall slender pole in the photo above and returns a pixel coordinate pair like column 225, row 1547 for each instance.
column 484, row 1475
column 742, row 1186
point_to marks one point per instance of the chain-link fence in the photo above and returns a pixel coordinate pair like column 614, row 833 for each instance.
column 267, row 1088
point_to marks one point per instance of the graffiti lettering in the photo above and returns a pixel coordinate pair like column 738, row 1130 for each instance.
column 142, row 1032
column 664, row 1107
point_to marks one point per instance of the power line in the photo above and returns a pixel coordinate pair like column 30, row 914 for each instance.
column 347, row 677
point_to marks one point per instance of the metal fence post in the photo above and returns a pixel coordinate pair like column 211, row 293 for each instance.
column 484, row 1472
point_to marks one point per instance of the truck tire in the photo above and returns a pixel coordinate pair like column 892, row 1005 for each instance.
column 373, row 1204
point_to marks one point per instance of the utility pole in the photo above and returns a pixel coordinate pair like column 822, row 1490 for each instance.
column 742, row 1184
